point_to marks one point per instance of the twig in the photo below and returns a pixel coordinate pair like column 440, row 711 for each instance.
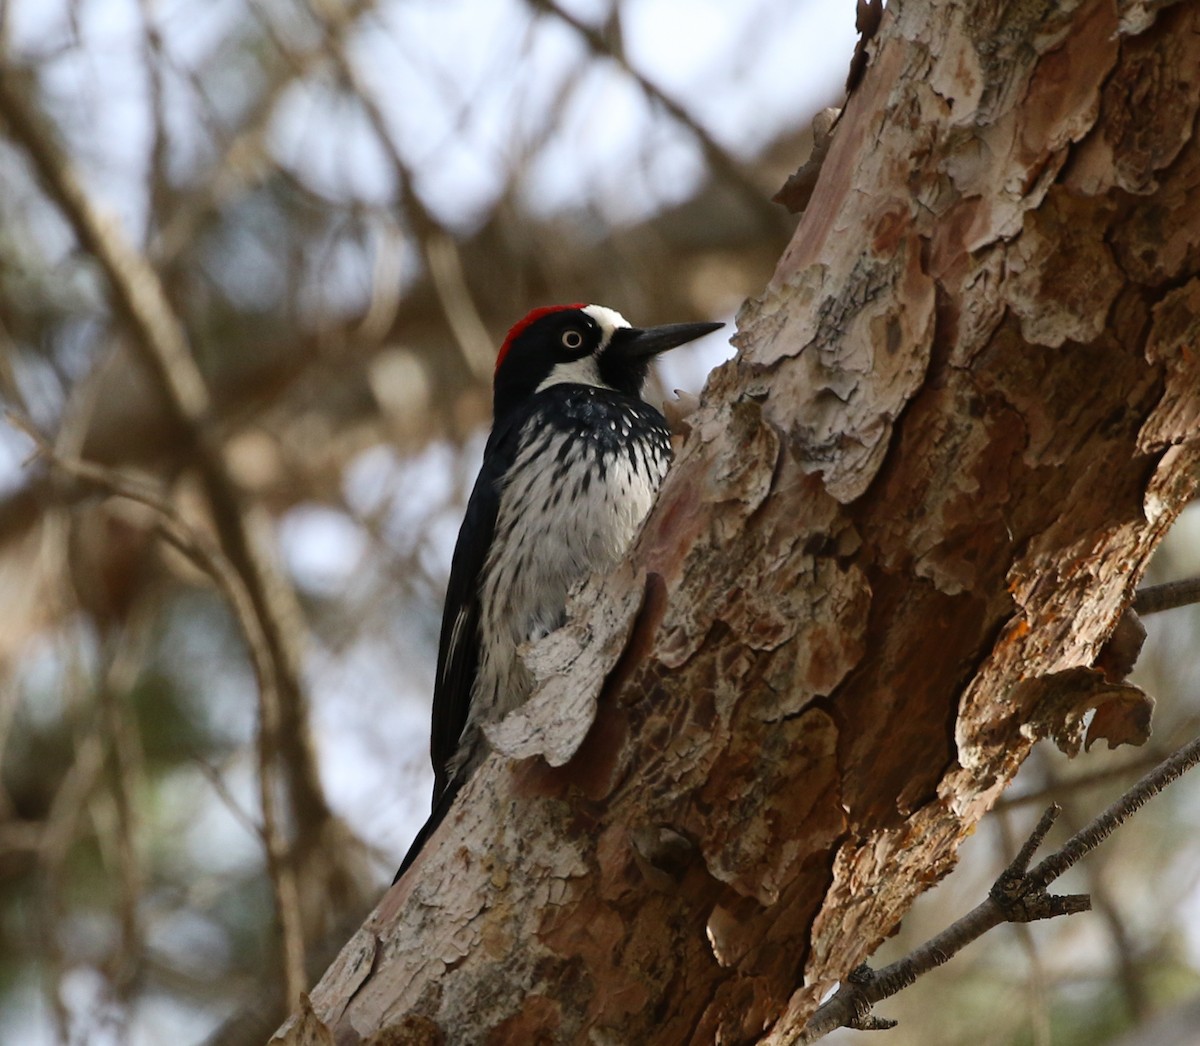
column 213, row 776
column 1035, row 979
column 1012, row 898
column 1016, row 896
column 157, row 179
column 123, row 660
column 1101, row 827
column 1167, row 596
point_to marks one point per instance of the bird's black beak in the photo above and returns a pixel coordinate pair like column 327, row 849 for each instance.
column 630, row 343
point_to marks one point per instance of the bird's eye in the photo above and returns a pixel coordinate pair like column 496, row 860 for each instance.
column 572, row 339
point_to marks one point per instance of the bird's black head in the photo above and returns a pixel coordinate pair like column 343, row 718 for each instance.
column 582, row 345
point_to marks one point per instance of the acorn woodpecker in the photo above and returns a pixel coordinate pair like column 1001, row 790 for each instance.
column 570, row 470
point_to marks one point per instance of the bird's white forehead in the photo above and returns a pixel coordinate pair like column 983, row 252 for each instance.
column 609, row 319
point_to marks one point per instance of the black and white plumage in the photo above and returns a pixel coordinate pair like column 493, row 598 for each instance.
column 573, row 463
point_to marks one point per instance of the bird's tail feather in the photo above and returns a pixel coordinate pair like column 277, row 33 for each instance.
column 441, row 807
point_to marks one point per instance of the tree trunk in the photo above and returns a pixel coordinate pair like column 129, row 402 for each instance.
column 905, row 521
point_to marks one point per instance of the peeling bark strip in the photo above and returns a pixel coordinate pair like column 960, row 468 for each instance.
column 906, row 520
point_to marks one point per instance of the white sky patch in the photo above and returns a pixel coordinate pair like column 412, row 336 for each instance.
column 742, row 72
column 1182, row 544
column 419, row 497
column 687, row 367
column 608, row 137
column 161, row 1019
column 15, row 450
column 43, row 670
column 447, row 78
column 325, row 138
column 784, row 59
column 371, row 725
column 322, row 547
column 218, row 842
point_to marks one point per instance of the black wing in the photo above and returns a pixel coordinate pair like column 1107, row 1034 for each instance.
column 458, row 648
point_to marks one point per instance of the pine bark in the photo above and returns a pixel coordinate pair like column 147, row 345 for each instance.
column 904, row 523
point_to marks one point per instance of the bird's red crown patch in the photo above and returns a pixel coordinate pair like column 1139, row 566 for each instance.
column 515, row 330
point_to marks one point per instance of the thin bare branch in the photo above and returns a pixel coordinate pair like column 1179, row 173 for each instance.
column 124, row 661
column 229, row 800
column 1167, row 596
column 157, row 180
column 1017, row 896
column 1102, row 826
